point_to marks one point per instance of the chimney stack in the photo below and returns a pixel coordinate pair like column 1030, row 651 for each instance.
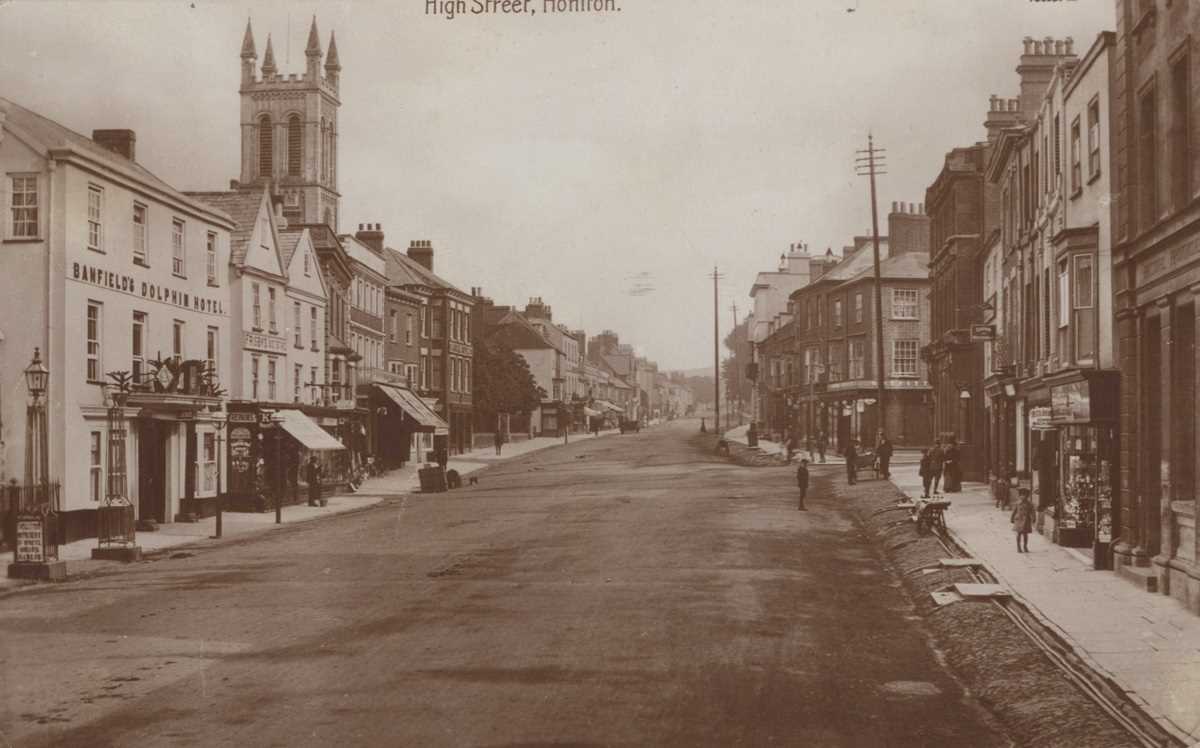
column 421, row 251
column 118, row 141
column 908, row 230
column 371, row 234
column 1036, row 68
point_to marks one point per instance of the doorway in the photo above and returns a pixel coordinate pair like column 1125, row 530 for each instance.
column 152, row 469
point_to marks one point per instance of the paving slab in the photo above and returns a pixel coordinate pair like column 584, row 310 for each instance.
column 1146, row 642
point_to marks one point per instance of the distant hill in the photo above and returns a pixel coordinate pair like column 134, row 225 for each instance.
column 690, row 373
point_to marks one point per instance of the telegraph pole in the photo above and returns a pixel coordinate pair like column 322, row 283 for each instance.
column 871, row 163
column 735, row 378
column 716, row 352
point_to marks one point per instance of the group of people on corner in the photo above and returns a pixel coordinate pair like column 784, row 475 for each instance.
column 940, row 465
column 883, row 458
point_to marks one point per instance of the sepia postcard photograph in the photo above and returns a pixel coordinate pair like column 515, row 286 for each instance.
column 515, row 373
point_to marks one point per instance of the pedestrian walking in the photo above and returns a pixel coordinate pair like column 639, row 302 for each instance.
column 926, row 472
column 884, row 453
column 791, row 448
column 951, row 471
column 1022, row 519
column 312, row 476
column 498, row 439
column 851, row 459
column 935, row 465
column 802, row 482
column 822, row 444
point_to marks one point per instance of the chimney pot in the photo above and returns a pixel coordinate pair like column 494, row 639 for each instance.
column 911, row 209
column 1048, row 45
column 1058, row 47
column 1070, row 46
column 1028, row 42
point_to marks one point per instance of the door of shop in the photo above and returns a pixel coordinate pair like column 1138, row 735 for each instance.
column 152, row 470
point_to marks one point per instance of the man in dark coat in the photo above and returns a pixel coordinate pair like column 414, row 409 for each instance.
column 951, row 475
column 884, row 453
column 926, row 472
column 312, row 476
column 935, row 465
column 851, row 459
column 802, row 482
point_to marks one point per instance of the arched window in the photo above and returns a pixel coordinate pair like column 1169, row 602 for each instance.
column 266, row 144
column 295, row 144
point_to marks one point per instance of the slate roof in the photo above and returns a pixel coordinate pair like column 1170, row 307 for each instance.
column 403, row 270
column 242, row 206
column 518, row 336
column 51, row 134
column 906, row 266
column 289, row 239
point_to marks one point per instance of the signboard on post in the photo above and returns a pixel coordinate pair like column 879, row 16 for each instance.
column 31, row 540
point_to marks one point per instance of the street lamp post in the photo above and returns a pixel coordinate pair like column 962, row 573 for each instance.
column 35, row 555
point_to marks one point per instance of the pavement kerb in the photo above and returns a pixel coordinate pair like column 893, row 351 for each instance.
column 1067, row 640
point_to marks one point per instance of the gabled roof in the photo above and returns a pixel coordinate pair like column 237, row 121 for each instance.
column 403, row 270
column 289, row 239
column 50, row 135
column 243, row 207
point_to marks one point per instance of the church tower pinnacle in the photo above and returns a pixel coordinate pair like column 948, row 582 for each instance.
column 289, row 128
column 249, row 55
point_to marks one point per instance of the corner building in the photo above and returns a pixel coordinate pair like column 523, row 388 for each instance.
column 110, row 269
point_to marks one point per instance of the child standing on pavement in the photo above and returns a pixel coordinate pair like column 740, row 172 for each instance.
column 802, row 482
column 1022, row 519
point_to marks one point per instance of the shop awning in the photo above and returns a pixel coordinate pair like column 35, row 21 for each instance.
column 416, row 408
column 591, row 413
column 608, row 405
column 306, row 431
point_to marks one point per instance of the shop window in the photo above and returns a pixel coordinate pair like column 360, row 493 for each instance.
column 208, row 464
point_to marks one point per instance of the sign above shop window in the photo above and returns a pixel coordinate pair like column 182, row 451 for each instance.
column 1040, row 419
column 983, row 332
column 1071, row 403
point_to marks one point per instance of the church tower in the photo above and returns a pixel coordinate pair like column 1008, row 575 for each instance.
column 289, row 129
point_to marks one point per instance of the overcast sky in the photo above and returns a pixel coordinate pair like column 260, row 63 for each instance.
column 572, row 157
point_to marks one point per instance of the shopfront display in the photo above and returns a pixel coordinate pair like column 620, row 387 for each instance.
column 1084, row 410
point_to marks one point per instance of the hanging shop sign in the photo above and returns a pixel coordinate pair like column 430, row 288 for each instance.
column 1040, row 419
column 983, row 332
column 1071, row 403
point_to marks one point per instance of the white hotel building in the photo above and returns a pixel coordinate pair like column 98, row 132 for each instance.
column 104, row 267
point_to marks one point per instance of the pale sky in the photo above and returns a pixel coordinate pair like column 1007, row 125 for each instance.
column 565, row 155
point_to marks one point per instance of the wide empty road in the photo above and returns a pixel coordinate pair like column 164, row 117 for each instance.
column 621, row 590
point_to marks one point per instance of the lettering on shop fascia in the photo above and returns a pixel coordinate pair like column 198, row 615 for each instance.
column 1166, row 261
column 131, row 286
column 261, row 342
column 459, row 349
